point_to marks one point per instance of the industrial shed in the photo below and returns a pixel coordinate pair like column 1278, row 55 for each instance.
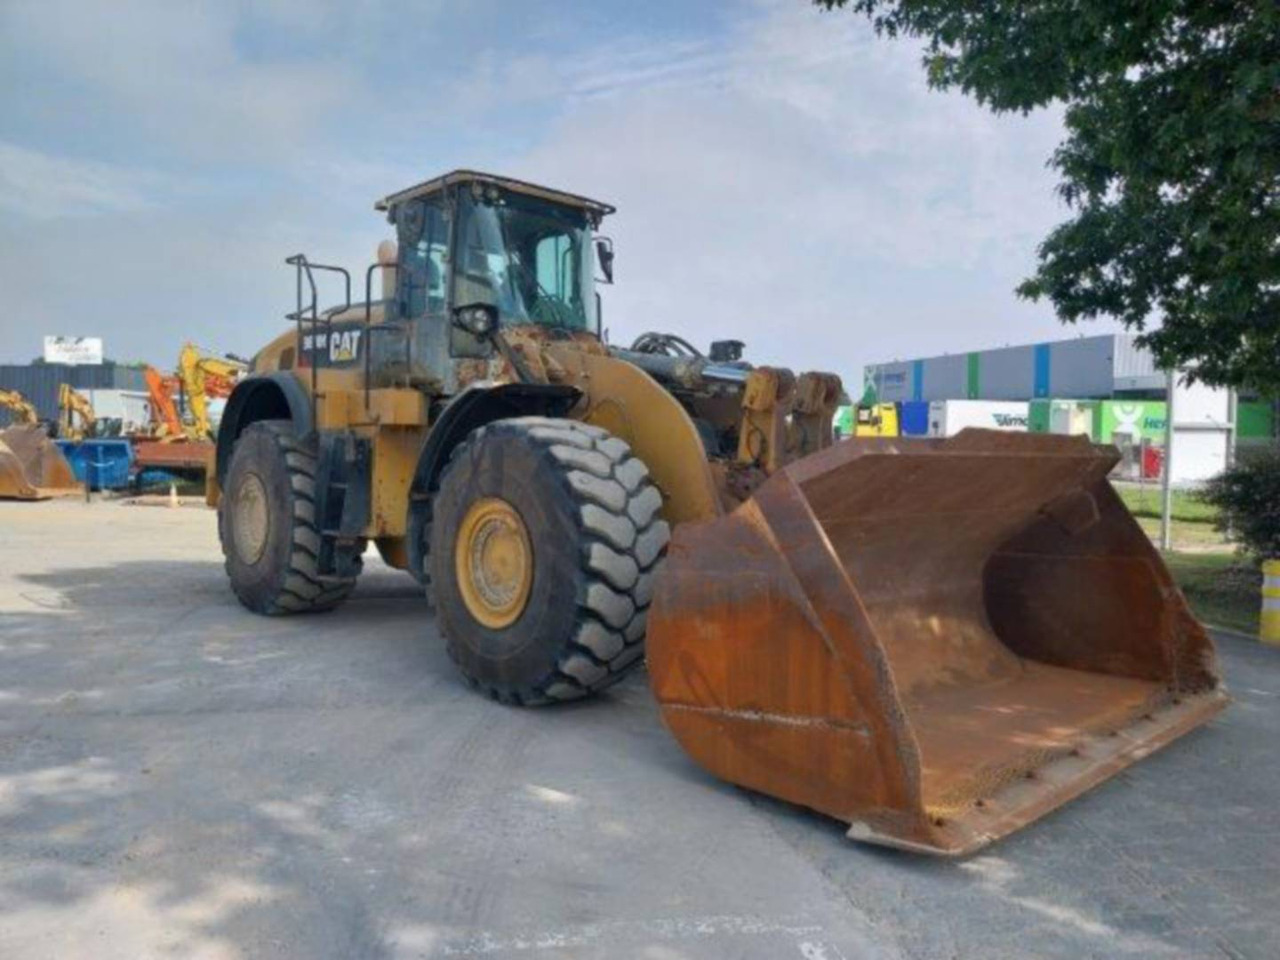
column 39, row 382
column 1101, row 367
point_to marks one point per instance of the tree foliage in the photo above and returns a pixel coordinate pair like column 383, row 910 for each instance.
column 1247, row 495
column 1170, row 166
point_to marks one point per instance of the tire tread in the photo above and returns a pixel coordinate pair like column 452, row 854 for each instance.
column 623, row 542
column 302, row 590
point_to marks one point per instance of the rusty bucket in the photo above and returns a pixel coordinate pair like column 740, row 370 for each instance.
column 934, row 641
column 32, row 467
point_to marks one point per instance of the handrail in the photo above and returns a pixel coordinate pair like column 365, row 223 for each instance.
column 311, row 314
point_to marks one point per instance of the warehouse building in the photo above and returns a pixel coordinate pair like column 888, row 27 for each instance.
column 1105, row 367
column 106, row 385
column 1111, row 369
column 1106, row 387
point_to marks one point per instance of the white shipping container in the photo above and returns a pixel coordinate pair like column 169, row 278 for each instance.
column 949, row 417
column 128, row 406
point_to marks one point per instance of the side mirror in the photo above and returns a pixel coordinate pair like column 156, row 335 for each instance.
column 478, row 319
column 604, row 253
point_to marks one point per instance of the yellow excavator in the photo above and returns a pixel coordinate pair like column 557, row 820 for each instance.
column 31, row 465
column 21, row 410
column 205, row 374
column 76, row 416
column 201, row 375
column 935, row 641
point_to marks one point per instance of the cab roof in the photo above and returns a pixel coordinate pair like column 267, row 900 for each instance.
column 438, row 184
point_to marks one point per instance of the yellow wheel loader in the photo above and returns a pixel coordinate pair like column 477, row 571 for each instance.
column 935, row 641
column 31, row 465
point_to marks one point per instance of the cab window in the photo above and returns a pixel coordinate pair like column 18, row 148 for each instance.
column 422, row 231
column 554, row 265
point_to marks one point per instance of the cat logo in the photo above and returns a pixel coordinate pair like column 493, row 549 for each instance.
column 344, row 346
column 332, row 348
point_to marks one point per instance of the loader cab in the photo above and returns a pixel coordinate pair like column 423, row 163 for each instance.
column 526, row 253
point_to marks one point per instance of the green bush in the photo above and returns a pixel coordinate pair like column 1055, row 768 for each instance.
column 1248, row 498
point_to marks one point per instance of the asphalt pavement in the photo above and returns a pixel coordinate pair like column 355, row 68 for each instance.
column 182, row 779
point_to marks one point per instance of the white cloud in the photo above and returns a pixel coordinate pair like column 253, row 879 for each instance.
column 801, row 188
column 44, row 186
column 172, row 77
column 787, row 179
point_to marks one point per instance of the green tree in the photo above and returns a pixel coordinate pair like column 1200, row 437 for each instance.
column 1247, row 495
column 1170, row 166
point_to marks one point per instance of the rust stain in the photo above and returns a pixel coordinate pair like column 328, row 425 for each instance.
column 936, row 641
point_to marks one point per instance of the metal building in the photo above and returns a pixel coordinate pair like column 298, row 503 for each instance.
column 1105, row 386
column 39, row 382
column 1085, row 368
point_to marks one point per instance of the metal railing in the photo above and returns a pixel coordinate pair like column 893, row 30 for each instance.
column 308, row 316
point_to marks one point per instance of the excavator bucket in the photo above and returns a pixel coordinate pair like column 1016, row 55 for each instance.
column 934, row 641
column 32, row 467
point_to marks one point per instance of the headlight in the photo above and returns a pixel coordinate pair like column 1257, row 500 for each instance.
column 478, row 321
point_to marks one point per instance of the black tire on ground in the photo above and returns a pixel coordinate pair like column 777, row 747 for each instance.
column 591, row 513
column 267, row 524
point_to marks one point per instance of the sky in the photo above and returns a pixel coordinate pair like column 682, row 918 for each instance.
column 783, row 176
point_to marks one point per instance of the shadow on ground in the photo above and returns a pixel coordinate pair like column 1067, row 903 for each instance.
column 196, row 779
column 179, row 777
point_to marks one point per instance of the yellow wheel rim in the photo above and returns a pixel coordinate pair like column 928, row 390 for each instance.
column 493, row 560
column 251, row 519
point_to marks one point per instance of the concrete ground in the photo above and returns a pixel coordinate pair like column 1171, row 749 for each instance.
column 179, row 778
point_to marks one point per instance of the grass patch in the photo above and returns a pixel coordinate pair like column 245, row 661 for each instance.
column 1189, row 536
column 1222, row 589
column 1144, row 500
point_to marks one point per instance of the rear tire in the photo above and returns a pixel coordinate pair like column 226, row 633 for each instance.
column 267, row 524
column 588, row 517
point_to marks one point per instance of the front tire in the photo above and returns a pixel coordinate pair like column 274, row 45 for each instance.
column 543, row 546
column 267, row 524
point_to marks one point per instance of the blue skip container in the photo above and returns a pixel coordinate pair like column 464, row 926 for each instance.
column 913, row 418
column 105, row 464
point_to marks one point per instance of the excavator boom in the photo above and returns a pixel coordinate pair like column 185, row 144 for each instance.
column 204, row 374
column 76, row 416
column 23, row 412
column 164, row 413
